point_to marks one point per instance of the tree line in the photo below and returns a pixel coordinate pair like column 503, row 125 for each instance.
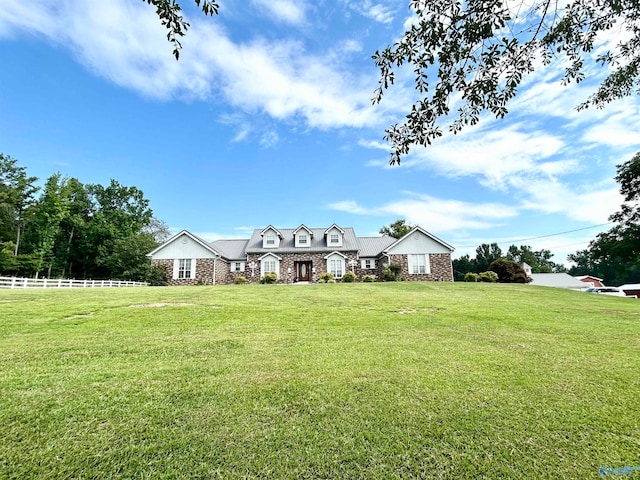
column 73, row 230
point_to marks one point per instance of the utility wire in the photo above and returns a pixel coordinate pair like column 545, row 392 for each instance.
column 542, row 236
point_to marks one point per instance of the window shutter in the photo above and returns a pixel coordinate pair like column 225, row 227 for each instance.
column 242, row 266
column 427, row 262
column 176, row 267
column 193, row 268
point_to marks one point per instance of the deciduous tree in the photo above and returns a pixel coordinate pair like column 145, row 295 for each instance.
column 397, row 229
column 473, row 56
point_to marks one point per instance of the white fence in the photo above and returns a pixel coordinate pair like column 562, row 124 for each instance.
column 15, row 282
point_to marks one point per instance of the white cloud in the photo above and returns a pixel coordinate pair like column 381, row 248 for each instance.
column 124, row 42
column 592, row 203
column 287, row 11
column 495, row 155
column 350, row 206
column 375, row 11
column 269, row 139
column 425, row 210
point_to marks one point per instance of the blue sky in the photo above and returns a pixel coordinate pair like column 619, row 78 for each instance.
column 267, row 119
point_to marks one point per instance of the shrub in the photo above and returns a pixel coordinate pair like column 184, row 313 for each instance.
column 157, row 276
column 240, row 280
column 331, row 280
column 325, row 277
column 349, row 277
column 491, row 277
column 471, row 277
column 369, row 278
column 271, row 277
column 508, row 271
column 390, row 272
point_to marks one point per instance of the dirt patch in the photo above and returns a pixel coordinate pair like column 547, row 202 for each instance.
column 408, row 310
column 81, row 315
column 162, row 304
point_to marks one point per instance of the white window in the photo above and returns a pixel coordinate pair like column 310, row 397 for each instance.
column 418, row 264
column 269, row 264
column 270, row 240
column 335, row 238
column 237, row 266
column 184, row 268
column 302, row 239
column 368, row 263
column 336, row 267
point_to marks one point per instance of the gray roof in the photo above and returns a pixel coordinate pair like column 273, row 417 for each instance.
column 231, row 249
column 373, row 246
column 318, row 242
column 558, row 280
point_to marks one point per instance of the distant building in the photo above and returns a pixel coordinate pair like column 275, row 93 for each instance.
column 594, row 281
column 557, row 280
column 631, row 289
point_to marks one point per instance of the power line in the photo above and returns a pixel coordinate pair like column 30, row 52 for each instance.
column 542, row 236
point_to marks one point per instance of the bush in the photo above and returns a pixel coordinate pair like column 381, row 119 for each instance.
column 331, row 280
column 491, row 277
column 349, row 277
column 508, row 271
column 390, row 272
column 369, row 278
column 157, row 276
column 471, row 277
column 269, row 278
column 240, row 280
column 325, row 277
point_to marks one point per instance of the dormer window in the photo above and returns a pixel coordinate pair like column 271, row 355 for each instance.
column 270, row 240
column 334, row 236
column 302, row 236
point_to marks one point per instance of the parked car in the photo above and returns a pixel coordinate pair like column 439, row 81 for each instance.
column 607, row 291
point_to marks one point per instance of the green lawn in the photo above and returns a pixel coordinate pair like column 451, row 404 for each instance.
column 404, row 380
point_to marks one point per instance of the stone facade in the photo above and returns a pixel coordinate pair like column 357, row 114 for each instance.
column 440, row 263
column 204, row 272
column 441, row 268
column 287, row 265
column 218, row 259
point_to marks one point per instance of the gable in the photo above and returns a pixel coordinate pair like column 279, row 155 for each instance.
column 419, row 241
column 183, row 245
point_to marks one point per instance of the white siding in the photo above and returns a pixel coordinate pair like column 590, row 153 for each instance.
column 418, row 242
column 270, row 233
column 334, row 231
column 182, row 247
column 303, row 233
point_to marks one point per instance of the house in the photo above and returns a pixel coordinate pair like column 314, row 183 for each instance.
column 301, row 255
column 558, row 280
column 590, row 279
column 631, row 289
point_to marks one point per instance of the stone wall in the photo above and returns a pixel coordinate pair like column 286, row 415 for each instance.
column 440, row 263
column 204, row 272
column 287, row 265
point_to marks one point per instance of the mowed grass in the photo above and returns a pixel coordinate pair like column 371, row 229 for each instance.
column 404, row 380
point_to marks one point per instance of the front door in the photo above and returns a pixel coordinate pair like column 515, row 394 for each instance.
column 303, row 271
